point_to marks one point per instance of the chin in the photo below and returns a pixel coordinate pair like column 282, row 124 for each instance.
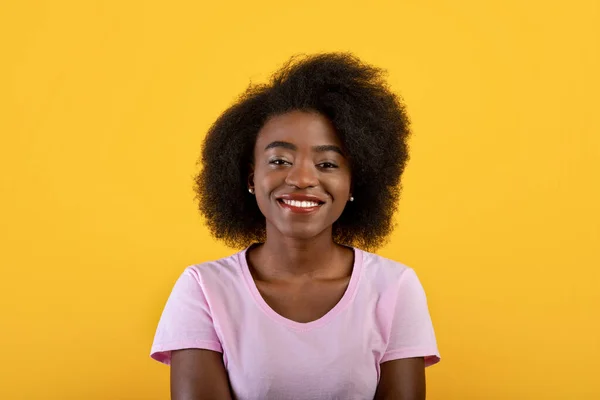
column 301, row 233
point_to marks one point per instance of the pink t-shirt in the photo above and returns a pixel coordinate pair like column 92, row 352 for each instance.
column 382, row 316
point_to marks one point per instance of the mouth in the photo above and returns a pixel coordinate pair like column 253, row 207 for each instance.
column 300, row 205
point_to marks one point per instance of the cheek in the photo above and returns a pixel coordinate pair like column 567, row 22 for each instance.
column 265, row 183
column 340, row 188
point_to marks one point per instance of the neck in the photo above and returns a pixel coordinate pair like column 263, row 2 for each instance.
column 288, row 258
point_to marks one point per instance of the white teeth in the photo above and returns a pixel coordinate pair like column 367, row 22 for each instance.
column 303, row 204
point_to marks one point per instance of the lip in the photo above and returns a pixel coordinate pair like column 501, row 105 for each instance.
column 300, row 197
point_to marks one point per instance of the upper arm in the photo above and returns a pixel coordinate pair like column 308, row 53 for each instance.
column 186, row 321
column 198, row 374
column 411, row 343
column 402, row 379
column 410, row 331
column 186, row 338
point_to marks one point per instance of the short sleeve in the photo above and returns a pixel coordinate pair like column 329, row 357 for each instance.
column 186, row 320
column 411, row 333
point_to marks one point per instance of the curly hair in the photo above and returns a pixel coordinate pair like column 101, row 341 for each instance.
column 370, row 120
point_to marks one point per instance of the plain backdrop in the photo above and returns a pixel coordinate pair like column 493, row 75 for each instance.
column 103, row 108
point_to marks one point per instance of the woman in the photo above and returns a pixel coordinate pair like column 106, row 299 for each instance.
column 303, row 174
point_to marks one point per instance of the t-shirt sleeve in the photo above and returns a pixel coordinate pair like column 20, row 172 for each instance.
column 186, row 320
column 411, row 333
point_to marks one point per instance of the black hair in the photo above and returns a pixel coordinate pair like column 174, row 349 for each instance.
column 369, row 118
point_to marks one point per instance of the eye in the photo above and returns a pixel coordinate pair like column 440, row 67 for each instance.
column 279, row 162
column 327, row 165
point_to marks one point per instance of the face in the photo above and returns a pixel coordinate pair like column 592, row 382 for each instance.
column 300, row 176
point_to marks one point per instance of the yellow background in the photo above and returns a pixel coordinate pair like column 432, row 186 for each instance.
column 104, row 105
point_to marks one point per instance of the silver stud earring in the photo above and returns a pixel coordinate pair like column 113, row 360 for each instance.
column 251, row 190
column 351, row 198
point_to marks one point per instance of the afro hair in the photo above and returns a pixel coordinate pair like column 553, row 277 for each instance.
column 370, row 120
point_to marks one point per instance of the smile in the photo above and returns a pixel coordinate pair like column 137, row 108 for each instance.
column 300, row 206
column 303, row 204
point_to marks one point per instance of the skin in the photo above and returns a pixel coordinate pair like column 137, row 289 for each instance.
column 198, row 374
column 300, row 246
column 402, row 379
column 299, row 270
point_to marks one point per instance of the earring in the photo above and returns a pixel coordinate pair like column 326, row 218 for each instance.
column 251, row 190
column 351, row 198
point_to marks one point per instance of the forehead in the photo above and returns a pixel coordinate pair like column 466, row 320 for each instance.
column 304, row 129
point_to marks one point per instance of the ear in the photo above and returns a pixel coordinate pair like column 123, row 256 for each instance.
column 351, row 187
column 251, row 176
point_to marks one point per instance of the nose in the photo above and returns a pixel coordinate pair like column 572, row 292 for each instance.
column 302, row 175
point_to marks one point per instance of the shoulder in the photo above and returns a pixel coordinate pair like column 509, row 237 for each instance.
column 215, row 272
column 383, row 272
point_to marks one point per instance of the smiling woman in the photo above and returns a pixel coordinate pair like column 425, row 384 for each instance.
column 303, row 174
column 300, row 175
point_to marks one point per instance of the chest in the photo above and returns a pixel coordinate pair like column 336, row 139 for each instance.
column 336, row 356
column 303, row 302
column 337, row 361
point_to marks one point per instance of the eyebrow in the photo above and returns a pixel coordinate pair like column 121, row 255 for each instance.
column 319, row 149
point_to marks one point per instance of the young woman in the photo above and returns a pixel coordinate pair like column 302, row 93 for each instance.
column 303, row 174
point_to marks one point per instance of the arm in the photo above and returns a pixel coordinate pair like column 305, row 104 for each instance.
column 198, row 374
column 402, row 379
column 411, row 345
column 187, row 340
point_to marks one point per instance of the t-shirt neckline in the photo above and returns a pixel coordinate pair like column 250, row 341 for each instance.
column 346, row 299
